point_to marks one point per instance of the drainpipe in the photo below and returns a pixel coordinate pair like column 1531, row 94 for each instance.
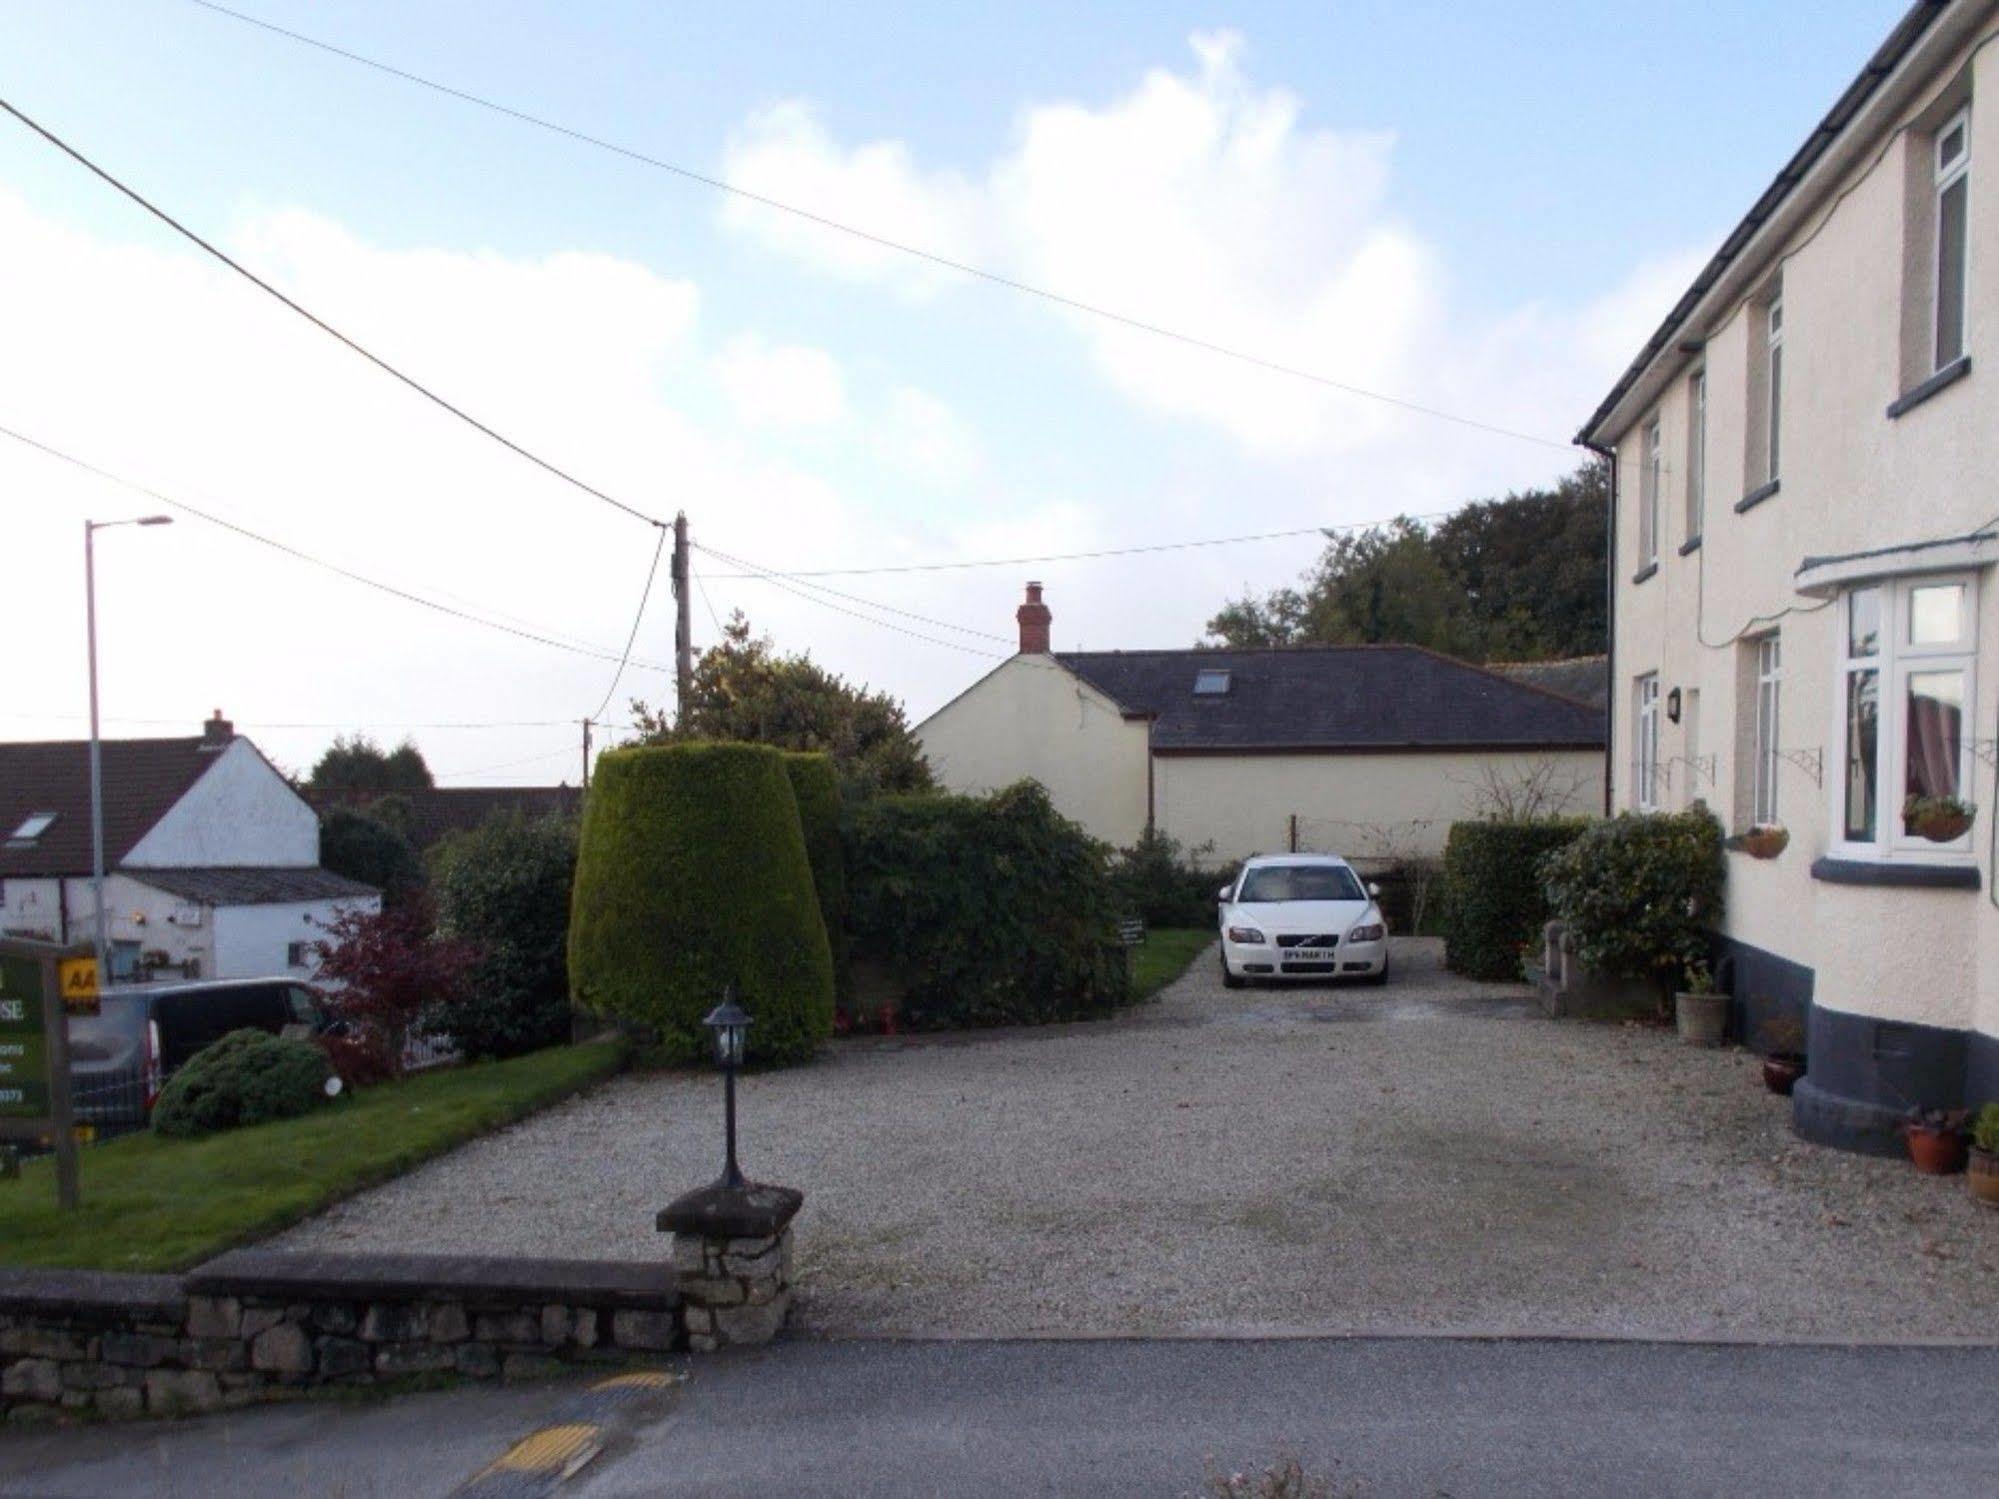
column 1609, row 455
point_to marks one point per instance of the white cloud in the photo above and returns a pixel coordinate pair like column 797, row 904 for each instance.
column 786, row 385
column 921, row 436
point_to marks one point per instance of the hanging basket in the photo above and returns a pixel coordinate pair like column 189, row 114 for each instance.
column 1764, row 842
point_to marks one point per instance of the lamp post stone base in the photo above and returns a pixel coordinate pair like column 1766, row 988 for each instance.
column 732, row 1254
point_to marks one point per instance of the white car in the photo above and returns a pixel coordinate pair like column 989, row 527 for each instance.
column 1301, row 916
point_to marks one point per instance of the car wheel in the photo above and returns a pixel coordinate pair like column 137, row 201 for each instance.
column 1230, row 978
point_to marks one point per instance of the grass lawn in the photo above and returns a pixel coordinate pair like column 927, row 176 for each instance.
column 1164, row 956
column 153, row 1204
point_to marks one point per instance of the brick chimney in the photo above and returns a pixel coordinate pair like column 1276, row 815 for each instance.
column 1033, row 618
column 217, row 732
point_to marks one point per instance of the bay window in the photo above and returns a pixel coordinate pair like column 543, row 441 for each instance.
column 1905, row 683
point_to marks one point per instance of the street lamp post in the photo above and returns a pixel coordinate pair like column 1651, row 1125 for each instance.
column 90, row 530
column 731, row 1023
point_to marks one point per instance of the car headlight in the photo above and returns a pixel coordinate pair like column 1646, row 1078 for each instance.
column 1374, row 931
column 1246, row 934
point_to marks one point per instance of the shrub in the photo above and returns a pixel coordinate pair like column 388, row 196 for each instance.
column 366, row 848
column 1638, row 892
column 1494, row 903
column 504, row 887
column 991, row 910
column 390, row 971
column 247, row 1077
column 691, row 874
column 816, row 788
column 1985, row 1129
column 359, row 1058
column 1153, row 879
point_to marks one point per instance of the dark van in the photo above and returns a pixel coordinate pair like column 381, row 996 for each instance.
column 119, row 1057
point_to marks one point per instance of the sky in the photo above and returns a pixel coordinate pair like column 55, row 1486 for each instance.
column 1479, row 209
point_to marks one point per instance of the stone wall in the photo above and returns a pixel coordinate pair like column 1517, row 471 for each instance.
column 255, row 1325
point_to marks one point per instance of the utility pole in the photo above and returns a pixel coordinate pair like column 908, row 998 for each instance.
column 586, row 754
column 683, row 635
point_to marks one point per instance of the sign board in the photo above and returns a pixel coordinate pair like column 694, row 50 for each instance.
column 1131, row 931
column 36, row 981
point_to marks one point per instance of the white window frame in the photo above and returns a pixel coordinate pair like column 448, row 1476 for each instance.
column 1773, row 387
column 1895, row 659
column 1645, row 727
column 1696, row 454
column 1769, row 735
column 1945, row 177
column 1651, row 480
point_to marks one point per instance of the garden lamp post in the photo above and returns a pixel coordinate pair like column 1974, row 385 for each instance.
column 731, row 1024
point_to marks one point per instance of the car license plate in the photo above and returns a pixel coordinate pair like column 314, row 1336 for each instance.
column 85, row 1133
column 1309, row 955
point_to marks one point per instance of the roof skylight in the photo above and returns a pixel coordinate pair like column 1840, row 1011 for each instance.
column 1211, row 681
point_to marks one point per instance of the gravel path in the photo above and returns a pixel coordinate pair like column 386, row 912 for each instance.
column 1434, row 1156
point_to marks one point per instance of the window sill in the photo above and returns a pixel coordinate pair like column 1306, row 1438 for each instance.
column 1644, row 572
column 1691, row 545
column 1908, row 876
column 1756, row 496
column 1949, row 375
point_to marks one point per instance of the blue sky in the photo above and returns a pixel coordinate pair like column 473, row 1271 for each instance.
column 1479, row 207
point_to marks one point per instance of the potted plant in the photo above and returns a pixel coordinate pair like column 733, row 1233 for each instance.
column 1941, row 819
column 1982, row 1178
column 1784, row 1053
column 1764, row 840
column 1936, row 1139
column 1700, row 1014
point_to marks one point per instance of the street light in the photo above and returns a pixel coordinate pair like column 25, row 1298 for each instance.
column 90, row 530
column 731, row 1024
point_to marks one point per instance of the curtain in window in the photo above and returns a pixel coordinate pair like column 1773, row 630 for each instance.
column 1936, row 727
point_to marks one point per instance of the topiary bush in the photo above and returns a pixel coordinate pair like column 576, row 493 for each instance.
column 986, row 910
column 246, row 1077
column 816, row 787
column 691, row 874
column 504, row 888
column 1494, row 901
column 1640, row 892
column 1155, row 880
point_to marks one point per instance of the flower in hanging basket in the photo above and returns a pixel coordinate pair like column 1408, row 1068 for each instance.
column 1941, row 819
column 1765, row 840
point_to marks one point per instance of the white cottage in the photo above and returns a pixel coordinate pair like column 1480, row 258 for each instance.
column 211, row 858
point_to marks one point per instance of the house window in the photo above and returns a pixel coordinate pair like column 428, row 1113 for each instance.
column 1649, row 484
column 1211, row 682
column 1696, row 452
column 1905, row 695
column 32, row 827
column 1769, row 726
column 1645, row 767
column 1953, row 193
column 1774, row 385
column 298, row 954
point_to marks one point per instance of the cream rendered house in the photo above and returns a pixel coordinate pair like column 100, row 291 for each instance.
column 1806, row 618
column 1368, row 751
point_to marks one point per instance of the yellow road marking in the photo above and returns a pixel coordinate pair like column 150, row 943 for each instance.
column 645, row 1379
column 550, row 1450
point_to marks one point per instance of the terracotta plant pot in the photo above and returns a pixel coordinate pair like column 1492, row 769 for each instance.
column 1765, row 843
column 1935, row 1152
column 1781, row 1071
column 1942, row 829
column 1701, row 1019
column 1982, row 1177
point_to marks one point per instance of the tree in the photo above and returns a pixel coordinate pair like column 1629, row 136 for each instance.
column 389, row 969
column 364, row 847
column 745, row 691
column 1517, row 578
column 504, row 886
column 355, row 766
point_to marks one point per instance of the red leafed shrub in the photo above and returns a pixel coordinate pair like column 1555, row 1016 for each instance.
column 386, row 970
column 359, row 1058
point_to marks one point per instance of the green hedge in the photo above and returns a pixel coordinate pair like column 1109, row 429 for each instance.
column 1494, row 903
column 1640, row 892
column 1155, row 880
column 246, row 1077
column 992, row 910
column 504, row 886
column 691, row 874
column 816, row 787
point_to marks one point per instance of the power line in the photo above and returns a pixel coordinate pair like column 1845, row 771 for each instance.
column 645, row 596
column 767, row 574
column 266, row 723
column 715, row 618
column 1163, row 546
column 459, row 775
column 883, row 242
column 302, row 556
column 777, row 580
column 320, row 323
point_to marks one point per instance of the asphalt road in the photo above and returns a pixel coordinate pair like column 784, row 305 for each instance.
column 1383, row 1417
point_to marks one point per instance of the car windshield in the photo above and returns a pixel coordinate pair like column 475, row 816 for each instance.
column 1270, row 883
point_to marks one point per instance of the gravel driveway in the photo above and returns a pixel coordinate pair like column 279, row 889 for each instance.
column 1433, row 1156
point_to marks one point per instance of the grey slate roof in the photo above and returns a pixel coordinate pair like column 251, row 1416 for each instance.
column 143, row 778
column 1584, row 678
column 438, row 811
column 225, row 886
column 1340, row 697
